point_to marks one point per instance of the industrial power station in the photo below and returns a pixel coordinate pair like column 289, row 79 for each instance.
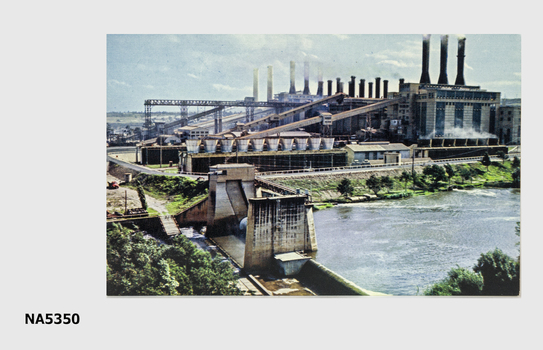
column 299, row 129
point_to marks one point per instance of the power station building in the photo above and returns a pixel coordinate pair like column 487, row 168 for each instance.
column 444, row 110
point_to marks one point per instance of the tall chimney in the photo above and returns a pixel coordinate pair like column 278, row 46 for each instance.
column 255, row 84
column 370, row 89
column 270, row 83
column 292, row 78
column 320, row 83
column 338, row 85
column 352, row 86
column 460, row 67
column 425, row 77
column 443, row 65
column 362, row 87
column 329, row 87
column 377, row 87
column 306, row 78
column 385, row 88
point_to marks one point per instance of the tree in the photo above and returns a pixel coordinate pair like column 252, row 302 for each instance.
column 465, row 173
column 516, row 162
column 486, row 160
column 436, row 173
column 503, row 156
column 460, row 281
column 141, row 194
column 345, row 187
column 405, row 177
column 450, row 172
column 138, row 266
column 374, row 184
column 500, row 273
column 516, row 178
column 387, row 182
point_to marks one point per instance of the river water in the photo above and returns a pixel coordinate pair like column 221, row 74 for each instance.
column 400, row 247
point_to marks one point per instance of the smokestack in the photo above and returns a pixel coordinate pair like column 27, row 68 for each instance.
column 425, row 77
column 255, row 84
column 329, row 87
column 306, row 78
column 377, row 87
column 362, row 87
column 320, row 83
column 460, row 68
column 370, row 89
column 270, row 83
column 338, row 85
column 352, row 85
column 443, row 65
column 385, row 88
column 292, row 78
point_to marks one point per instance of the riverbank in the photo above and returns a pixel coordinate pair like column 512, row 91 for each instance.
column 398, row 184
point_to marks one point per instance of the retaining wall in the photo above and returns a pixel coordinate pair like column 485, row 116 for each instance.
column 324, row 281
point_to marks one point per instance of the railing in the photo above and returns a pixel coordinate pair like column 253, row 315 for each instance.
column 406, row 163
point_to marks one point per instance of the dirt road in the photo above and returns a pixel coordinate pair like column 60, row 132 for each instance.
column 115, row 199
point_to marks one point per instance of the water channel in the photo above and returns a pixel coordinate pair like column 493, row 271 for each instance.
column 400, row 247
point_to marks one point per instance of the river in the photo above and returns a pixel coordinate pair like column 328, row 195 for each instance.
column 400, row 247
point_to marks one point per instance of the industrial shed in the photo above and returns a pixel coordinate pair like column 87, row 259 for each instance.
column 374, row 151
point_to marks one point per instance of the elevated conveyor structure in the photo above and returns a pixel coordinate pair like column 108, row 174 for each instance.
column 318, row 119
column 209, row 103
column 274, row 118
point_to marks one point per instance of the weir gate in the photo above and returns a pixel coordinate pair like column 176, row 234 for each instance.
column 255, row 230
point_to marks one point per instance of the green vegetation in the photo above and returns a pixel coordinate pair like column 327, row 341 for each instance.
column 494, row 274
column 139, row 266
column 345, row 187
column 180, row 192
column 434, row 178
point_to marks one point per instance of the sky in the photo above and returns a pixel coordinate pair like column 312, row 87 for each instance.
column 220, row 66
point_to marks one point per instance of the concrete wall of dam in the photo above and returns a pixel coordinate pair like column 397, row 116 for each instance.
column 277, row 225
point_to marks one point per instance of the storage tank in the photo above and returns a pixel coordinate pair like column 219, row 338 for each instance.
column 315, row 143
column 210, row 146
column 258, row 145
column 193, row 146
column 287, row 144
column 328, row 143
column 273, row 144
column 242, row 145
column 301, row 144
column 226, row 145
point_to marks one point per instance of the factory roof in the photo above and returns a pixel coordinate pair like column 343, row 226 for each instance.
column 378, row 148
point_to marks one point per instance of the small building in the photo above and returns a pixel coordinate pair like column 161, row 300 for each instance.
column 290, row 264
column 192, row 132
column 375, row 151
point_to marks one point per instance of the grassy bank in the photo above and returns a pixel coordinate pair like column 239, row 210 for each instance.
column 324, row 189
column 179, row 192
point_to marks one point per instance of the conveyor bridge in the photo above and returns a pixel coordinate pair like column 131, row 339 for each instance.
column 318, row 119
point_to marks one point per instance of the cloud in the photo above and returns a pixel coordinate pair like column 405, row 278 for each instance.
column 222, row 87
column 193, row 76
column 379, row 55
column 504, row 83
column 341, row 36
column 148, row 86
column 114, row 82
column 468, row 67
column 394, row 63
